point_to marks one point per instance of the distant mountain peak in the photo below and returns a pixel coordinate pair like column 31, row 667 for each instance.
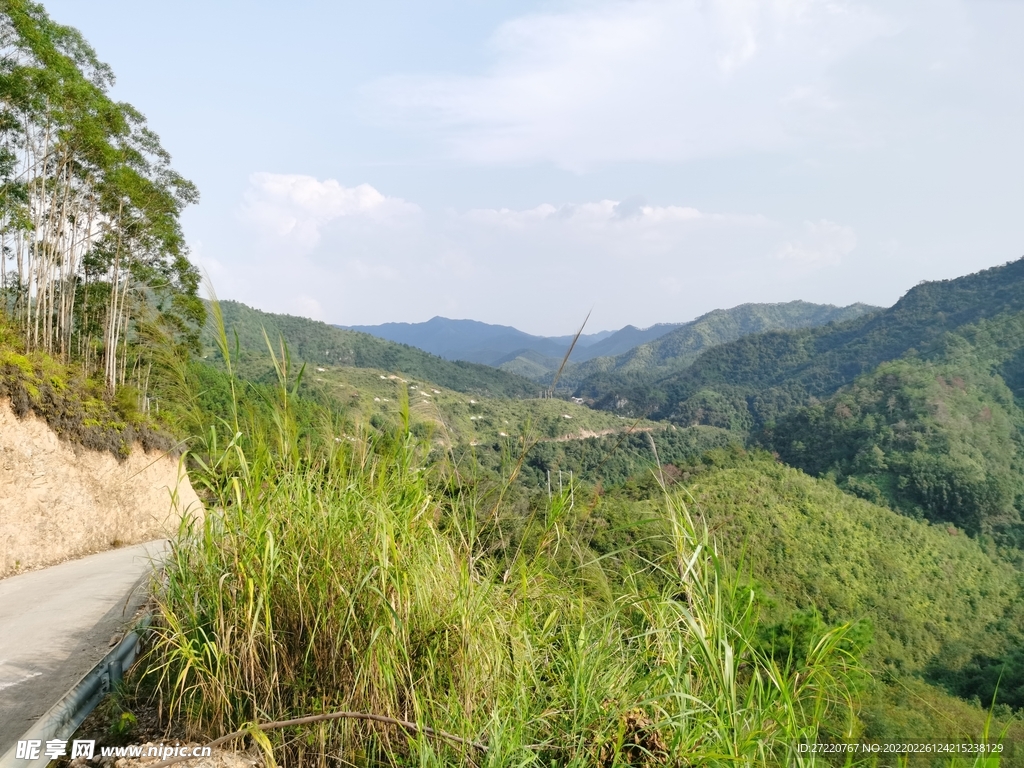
column 478, row 342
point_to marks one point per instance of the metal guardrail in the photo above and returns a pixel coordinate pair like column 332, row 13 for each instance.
column 64, row 717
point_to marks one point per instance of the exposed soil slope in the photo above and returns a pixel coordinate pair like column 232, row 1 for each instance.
column 60, row 501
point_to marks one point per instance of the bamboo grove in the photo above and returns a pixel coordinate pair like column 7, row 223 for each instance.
column 93, row 260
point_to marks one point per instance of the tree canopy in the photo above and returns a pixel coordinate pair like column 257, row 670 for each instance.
column 93, row 260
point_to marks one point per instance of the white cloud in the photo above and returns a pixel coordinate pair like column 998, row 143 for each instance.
column 554, row 260
column 627, row 81
column 820, row 244
column 630, row 214
column 295, row 208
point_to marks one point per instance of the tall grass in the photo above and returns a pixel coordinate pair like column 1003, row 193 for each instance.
column 333, row 572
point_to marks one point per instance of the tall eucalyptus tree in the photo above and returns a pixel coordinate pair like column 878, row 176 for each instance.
column 91, row 249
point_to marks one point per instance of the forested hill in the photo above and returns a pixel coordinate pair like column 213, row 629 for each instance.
column 318, row 343
column 677, row 349
column 916, row 407
column 751, row 381
column 808, row 545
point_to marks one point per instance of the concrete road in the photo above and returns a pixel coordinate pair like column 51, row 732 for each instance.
column 57, row 623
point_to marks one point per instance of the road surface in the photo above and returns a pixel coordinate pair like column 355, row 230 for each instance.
column 57, row 623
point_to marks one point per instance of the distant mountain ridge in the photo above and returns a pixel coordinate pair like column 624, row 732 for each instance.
column 507, row 347
column 664, row 347
column 673, row 351
column 756, row 377
column 623, row 340
column 469, row 340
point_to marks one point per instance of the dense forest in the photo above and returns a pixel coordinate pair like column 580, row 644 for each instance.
column 756, row 378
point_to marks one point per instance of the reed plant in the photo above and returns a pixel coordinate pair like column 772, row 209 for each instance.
column 335, row 572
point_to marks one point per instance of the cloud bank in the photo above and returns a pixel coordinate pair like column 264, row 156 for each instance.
column 655, row 81
column 357, row 255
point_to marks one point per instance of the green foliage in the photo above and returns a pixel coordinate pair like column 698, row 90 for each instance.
column 809, row 546
column 459, row 417
column 531, row 366
column 123, row 727
column 616, row 459
column 910, row 710
column 927, row 603
column 77, row 409
column 932, row 440
column 486, row 432
column 791, row 642
column 983, row 678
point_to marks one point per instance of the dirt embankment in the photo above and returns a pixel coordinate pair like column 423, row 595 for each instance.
column 59, row 501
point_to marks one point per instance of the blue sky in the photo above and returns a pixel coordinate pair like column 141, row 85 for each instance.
column 520, row 163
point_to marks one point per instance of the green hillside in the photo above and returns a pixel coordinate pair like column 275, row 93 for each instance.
column 530, row 364
column 936, row 434
column 454, row 417
column 676, row 350
column 317, row 343
column 755, row 379
column 597, row 446
column 925, row 588
column 931, row 439
column 939, row 615
column 623, row 457
column 945, row 615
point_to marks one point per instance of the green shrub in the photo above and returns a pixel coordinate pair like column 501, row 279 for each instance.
column 75, row 407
